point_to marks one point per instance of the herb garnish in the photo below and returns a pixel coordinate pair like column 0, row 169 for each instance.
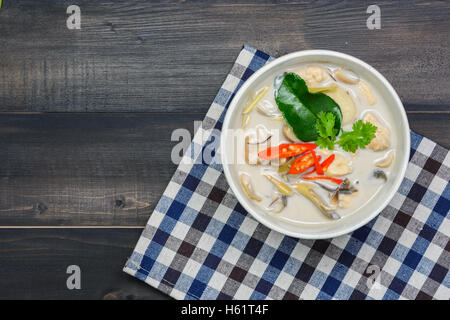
column 360, row 136
column 300, row 107
column 326, row 130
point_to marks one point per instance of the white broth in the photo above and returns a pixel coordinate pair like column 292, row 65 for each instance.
column 299, row 209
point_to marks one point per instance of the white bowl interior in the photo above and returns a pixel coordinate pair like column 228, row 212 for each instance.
column 377, row 203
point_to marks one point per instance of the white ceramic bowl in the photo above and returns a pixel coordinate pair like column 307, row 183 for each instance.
column 400, row 125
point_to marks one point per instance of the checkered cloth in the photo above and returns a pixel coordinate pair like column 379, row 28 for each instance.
column 200, row 243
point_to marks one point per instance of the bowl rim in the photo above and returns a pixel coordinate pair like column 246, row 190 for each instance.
column 323, row 53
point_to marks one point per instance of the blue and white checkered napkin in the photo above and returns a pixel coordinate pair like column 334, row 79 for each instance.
column 199, row 243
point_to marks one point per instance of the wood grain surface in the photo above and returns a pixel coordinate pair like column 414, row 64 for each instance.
column 34, row 264
column 86, row 115
column 147, row 55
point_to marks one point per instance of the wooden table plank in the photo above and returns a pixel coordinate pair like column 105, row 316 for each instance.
column 171, row 55
column 85, row 169
column 33, row 264
column 101, row 169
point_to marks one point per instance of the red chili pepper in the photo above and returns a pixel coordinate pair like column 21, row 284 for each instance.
column 319, row 169
column 326, row 163
column 302, row 163
column 286, row 150
column 338, row 181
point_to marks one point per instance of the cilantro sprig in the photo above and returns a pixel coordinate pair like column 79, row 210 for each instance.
column 361, row 135
column 325, row 129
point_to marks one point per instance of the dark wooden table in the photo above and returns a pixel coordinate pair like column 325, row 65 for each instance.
column 86, row 115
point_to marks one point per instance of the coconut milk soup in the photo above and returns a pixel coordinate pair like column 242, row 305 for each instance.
column 318, row 144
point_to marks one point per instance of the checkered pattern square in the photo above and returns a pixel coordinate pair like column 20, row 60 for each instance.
column 199, row 243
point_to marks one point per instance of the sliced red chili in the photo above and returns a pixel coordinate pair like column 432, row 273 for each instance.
column 302, row 163
column 319, row 169
column 335, row 180
column 286, row 150
column 326, row 163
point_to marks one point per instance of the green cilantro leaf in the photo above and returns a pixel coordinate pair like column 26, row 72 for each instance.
column 360, row 136
column 325, row 128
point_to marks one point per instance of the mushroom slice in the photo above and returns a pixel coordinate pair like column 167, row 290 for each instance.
column 345, row 76
column 262, row 135
column 345, row 102
column 281, row 199
column 367, row 93
column 324, row 186
column 346, row 187
column 382, row 136
column 339, row 167
column 380, row 174
column 268, row 109
column 247, row 186
column 334, row 197
column 340, row 196
column 386, row 161
column 289, row 133
column 281, row 186
column 308, row 192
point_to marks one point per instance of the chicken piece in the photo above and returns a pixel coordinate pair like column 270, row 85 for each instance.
column 315, row 73
column 339, row 167
column 382, row 136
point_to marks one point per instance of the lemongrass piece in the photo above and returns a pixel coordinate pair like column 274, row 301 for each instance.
column 245, row 120
column 246, row 185
column 255, row 101
column 280, row 118
column 386, row 161
column 281, row 186
column 330, row 87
